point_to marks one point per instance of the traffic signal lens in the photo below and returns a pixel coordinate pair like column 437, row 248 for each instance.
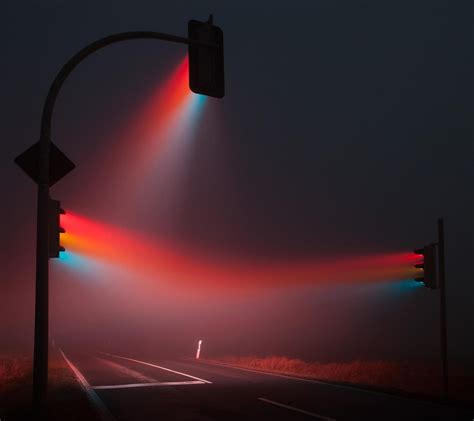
column 55, row 229
column 427, row 266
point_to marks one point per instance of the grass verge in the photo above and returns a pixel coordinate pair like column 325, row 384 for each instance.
column 66, row 399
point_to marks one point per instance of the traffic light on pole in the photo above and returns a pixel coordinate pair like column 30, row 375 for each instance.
column 55, row 229
column 206, row 62
column 427, row 267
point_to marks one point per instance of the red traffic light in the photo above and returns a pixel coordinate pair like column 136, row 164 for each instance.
column 428, row 274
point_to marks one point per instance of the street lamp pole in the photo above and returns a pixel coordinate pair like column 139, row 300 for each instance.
column 40, row 359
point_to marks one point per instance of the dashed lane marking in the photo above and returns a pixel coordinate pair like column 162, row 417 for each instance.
column 292, row 408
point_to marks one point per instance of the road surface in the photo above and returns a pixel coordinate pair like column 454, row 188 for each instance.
column 129, row 388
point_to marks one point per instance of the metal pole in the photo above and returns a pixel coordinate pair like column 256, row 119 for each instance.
column 442, row 303
column 40, row 357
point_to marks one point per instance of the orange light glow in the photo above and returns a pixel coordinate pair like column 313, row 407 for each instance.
column 161, row 263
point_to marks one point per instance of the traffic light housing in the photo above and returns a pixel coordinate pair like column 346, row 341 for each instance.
column 206, row 63
column 55, row 229
column 428, row 273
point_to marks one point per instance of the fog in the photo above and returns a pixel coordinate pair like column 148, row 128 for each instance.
column 279, row 220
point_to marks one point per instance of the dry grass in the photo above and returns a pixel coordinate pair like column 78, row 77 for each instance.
column 14, row 372
column 391, row 376
column 15, row 387
column 66, row 399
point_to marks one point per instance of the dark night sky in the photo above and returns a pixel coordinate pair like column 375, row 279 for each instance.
column 346, row 129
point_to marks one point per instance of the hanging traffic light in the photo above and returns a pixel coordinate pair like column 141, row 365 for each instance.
column 55, row 229
column 206, row 63
column 427, row 267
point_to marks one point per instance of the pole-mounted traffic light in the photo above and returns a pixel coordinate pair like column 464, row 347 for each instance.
column 206, row 63
column 432, row 275
column 55, row 229
column 428, row 273
column 206, row 77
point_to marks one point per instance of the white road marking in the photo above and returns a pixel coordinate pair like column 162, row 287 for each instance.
column 292, row 408
column 324, row 383
column 104, row 413
column 128, row 371
column 266, row 373
column 159, row 366
column 130, row 385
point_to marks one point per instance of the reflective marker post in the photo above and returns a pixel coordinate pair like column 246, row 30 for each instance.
column 198, row 352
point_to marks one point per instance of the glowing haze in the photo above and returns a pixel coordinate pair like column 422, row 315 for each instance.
column 159, row 136
column 149, row 258
column 277, row 220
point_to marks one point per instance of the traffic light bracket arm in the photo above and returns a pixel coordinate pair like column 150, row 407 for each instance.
column 92, row 48
column 40, row 364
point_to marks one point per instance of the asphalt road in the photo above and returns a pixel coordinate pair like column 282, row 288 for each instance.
column 126, row 388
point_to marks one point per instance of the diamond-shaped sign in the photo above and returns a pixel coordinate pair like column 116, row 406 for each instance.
column 59, row 164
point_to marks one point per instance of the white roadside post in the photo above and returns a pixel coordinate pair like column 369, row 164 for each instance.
column 198, row 352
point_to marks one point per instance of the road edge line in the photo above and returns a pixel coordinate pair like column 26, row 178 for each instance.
column 268, row 373
column 325, row 383
column 94, row 399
